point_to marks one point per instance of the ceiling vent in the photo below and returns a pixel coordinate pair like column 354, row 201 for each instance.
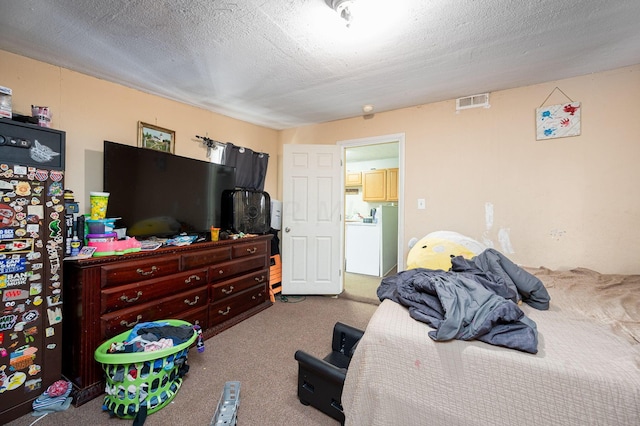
column 474, row 101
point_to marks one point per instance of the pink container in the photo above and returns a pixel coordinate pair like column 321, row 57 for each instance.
column 115, row 247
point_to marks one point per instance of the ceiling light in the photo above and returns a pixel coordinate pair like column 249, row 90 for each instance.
column 367, row 109
column 342, row 8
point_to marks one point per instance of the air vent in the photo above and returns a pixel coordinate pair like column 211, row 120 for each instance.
column 474, row 101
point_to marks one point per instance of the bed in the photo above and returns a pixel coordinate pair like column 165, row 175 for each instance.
column 586, row 370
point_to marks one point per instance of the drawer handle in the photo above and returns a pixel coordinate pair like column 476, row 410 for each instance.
column 226, row 311
column 131, row 324
column 186, row 301
column 258, row 296
column 252, row 250
column 220, row 272
column 260, row 279
column 143, row 272
column 191, row 278
column 225, row 291
column 124, row 298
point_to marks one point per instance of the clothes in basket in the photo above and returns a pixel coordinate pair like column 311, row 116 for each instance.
column 142, row 382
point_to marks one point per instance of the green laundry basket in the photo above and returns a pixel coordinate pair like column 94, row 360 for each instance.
column 137, row 379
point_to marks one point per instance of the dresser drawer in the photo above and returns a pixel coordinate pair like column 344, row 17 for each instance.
column 205, row 258
column 249, row 248
column 124, row 296
column 234, row 286
column 137, row 270
column 230, row 307
column 236, row 267
column 165, row 308
column 199, row 316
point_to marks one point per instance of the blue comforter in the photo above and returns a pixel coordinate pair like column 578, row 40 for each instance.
column 475, row 304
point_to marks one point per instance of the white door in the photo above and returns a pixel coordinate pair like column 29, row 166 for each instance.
column 312, row 220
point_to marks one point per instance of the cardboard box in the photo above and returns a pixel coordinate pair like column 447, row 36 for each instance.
column 5, row 102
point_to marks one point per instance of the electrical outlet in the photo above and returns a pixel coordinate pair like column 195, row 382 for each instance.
column 422, row 204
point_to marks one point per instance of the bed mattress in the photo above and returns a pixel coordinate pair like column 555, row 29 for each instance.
column 586, row 371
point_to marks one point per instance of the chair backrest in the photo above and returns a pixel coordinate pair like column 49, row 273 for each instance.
column 345, row 338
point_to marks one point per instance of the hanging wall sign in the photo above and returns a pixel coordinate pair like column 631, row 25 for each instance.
column 558, row 121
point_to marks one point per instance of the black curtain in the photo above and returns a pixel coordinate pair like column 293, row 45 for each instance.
column 251, row 167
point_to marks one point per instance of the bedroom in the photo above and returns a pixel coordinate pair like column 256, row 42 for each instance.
column 559, row 203
column 567, row 203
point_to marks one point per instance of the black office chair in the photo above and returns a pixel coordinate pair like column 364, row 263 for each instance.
column 320, row 381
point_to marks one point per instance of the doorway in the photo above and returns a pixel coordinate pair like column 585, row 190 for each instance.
column 377, row 153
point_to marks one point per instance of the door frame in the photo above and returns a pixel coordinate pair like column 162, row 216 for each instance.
column 375, row 140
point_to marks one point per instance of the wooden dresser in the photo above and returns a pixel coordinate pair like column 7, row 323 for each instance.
column 213, row 284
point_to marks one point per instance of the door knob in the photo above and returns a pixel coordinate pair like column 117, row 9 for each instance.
column 287, row 229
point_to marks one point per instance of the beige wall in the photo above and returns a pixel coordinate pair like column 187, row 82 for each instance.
column 562, row 203
column 91, row 110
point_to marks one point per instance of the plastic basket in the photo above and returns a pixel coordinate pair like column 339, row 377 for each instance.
column 142, row 378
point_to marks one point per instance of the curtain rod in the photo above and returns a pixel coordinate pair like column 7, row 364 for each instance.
column 211, row 143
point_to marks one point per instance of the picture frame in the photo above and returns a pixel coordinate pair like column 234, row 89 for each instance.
column 154, row 137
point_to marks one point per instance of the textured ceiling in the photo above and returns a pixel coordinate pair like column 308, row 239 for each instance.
column 287, row 63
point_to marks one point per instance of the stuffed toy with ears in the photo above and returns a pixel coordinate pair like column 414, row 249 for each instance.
column 435, row 250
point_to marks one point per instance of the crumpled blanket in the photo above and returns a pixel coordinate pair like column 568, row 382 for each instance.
column 499, row 274
column 464, row 306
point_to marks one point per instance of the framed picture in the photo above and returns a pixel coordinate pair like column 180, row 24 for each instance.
column 154, row 137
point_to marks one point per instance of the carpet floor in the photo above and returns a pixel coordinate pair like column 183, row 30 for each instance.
column 258, row 353
column 362, row 288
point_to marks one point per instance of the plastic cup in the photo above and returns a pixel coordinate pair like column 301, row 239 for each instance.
column 99, row 202
column 215, row 234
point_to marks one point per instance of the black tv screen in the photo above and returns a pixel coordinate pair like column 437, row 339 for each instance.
column 160, row 194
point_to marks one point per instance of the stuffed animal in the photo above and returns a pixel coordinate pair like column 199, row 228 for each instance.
column 435, row 250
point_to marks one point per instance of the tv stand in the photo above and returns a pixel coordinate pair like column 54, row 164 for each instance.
column 213, row 284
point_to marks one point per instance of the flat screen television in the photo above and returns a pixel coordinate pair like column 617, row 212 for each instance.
column 160, row 194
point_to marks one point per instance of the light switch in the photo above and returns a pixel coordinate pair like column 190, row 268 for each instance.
column 422, row 204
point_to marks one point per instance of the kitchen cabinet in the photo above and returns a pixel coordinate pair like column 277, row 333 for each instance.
column 380, row 185
column 374, row 185
column 353, row 179
column 392, row 184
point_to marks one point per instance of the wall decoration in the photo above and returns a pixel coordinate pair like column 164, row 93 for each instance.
column 154, row 137
column 558, row 121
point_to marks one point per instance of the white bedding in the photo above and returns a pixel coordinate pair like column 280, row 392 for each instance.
column 583, row 374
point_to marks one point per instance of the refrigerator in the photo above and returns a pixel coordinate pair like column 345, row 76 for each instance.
column 31, row 254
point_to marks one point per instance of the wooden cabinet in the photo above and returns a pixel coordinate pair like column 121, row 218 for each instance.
column 125, row 296
column 353, row 179
column 374, row 185
column 380, row 185
column 215, row 285
column 392, row 184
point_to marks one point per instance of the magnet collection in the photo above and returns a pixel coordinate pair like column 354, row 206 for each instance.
column 31, row 250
